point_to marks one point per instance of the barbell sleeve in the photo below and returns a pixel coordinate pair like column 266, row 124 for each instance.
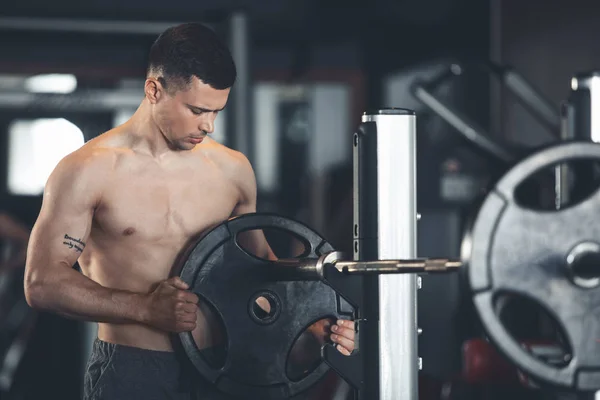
column 312, row 268
column 426, row 265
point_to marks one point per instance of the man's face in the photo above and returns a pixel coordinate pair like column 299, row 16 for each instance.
column 187, row 116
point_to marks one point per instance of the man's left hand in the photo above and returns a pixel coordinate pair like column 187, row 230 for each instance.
column 342, row 334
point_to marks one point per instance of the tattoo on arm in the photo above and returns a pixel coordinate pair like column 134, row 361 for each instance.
column 77, row 244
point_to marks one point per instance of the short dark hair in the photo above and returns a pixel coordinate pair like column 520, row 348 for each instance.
column 187, row 50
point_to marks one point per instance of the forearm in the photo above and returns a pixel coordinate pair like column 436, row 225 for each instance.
column 71, row 294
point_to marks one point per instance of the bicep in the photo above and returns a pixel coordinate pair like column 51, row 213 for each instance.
column 245, row 181
column 254, row 240
column 60, row 233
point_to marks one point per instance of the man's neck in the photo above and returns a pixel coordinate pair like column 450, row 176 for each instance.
column 146, row 135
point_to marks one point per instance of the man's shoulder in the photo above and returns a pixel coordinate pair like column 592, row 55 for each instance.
column 235, row 166
column 104, row 149
column 91, row 156
column 228, row 159
column 91, row 161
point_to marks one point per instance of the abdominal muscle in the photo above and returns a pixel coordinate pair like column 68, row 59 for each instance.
column 136, row 268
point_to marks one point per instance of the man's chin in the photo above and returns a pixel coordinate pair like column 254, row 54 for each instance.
column 183, row 146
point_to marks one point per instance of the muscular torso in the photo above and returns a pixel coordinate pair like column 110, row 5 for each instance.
column 151, row 212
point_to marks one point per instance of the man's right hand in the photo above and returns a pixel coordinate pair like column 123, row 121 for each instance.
column 171, row 307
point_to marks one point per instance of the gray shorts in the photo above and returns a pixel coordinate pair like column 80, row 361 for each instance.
column 120, row 372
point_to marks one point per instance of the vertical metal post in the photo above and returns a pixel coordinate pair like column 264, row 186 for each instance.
column 385, row 228
column 579, row 121
column 239, row 135
column 584, row 101
column 561, row 172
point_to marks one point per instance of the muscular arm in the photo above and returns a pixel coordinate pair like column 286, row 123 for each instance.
column 246, row 181
column 57, row 240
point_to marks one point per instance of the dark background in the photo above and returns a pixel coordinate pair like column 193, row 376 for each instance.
column 359, row 43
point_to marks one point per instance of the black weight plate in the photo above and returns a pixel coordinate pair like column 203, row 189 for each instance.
column 227, row 277
column 515, row 249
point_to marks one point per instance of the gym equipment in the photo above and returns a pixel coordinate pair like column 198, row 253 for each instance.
column 578, row 123
column 545, row 256
column 540, row 107
column 381, row 296
column 506, row 242
column 299, row 292
column 257, row 344
column 313, row 269
column 510, row 248
column 385, row 222
column 581, row 105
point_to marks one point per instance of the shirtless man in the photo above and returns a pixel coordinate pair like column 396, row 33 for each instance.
column 126, row 204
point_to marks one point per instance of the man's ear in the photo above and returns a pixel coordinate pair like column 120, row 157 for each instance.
column 153, row 90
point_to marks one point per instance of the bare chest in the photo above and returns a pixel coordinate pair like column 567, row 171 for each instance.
column 155, row 207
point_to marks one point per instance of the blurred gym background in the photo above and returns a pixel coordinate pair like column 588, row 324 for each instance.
column 307, row 70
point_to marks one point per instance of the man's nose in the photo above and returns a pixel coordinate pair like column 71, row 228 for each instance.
column 207, row 124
